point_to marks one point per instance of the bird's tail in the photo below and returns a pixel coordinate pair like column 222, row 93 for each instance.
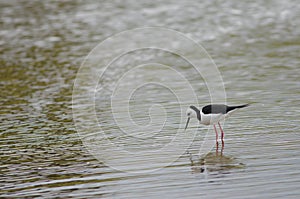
column 230, row 108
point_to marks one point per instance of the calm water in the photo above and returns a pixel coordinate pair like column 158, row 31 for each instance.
column 256, row 46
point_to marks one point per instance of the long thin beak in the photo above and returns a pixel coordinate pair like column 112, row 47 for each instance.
column 187, row 123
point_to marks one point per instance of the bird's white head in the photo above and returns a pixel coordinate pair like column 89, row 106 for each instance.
column 191, row 112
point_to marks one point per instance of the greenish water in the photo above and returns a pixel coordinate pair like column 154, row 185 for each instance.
column 255, row 44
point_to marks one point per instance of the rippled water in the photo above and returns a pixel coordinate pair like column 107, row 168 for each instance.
column 256, row 46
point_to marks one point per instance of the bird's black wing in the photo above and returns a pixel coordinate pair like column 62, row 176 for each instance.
column 215, row 109
column 220, row 108
column 231, row 108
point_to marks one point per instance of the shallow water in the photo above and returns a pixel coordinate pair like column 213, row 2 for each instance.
column 256, row 47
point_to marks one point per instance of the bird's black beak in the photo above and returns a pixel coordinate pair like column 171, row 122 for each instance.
column 187, row 123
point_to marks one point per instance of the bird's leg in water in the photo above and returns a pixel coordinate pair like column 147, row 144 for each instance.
column 216, row 134
column 222, row 149
column 222, row 133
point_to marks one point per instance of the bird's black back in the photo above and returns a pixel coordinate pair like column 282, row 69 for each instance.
column 220, row 108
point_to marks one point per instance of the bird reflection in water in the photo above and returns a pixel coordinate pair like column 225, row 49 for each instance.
column 214, row 162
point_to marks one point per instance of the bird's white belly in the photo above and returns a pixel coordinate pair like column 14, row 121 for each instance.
column 208, row 119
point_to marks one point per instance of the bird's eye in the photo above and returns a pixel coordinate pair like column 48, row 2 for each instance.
column 189, row 114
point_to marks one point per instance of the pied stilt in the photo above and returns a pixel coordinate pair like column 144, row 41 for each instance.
column 211, row 115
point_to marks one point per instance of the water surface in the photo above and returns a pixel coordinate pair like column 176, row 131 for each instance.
column 256, row 46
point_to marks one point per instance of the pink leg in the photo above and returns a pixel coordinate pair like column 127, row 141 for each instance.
column 216, row 134
column 222, row 132
column 222, row 149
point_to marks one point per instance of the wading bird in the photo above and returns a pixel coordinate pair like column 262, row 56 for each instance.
column 211, row 115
